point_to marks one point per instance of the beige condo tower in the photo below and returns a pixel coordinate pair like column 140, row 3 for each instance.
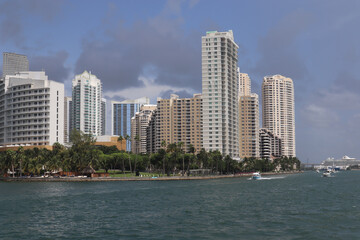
column 279, row 111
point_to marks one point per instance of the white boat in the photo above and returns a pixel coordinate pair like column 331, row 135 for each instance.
column 256, row 176
column 327, row 173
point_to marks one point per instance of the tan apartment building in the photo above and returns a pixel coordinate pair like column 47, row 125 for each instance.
column 176, row 120
column 249, row 126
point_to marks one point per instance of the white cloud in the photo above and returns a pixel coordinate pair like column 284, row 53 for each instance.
column 149, row 89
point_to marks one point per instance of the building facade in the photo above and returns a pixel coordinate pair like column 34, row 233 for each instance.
column 244, row 84
column 14, row 63
column 220, row 90
column 67, row 118
column 249, row 126
column 278, row 110
column 270, row 144
column 176, row 120
column 87, row 104
column 103, row 116
column 31, row 110
column 139, row 125
column 121, row 114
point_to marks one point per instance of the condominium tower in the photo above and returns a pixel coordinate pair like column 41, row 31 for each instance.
column 67, row 118
column 103, row 116
column 270, row 144
column 87, row 104
column 278, row 111
column 176, row 120
column 139, row 125
column 244, row 84
column 121, row 114
column 31, row 110
column 248, row 118
column 220, row 90
column 14, row 63
column 249, row 126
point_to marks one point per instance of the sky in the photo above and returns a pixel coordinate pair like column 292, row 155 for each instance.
column 153, row 48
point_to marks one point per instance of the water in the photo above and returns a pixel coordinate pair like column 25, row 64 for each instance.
column 301, row 206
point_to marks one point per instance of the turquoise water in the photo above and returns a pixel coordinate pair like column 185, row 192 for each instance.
column 301, row 206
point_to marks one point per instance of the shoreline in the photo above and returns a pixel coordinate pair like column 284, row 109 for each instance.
column 113, row 179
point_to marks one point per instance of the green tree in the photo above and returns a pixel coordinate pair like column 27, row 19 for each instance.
column 81, row 151
column 127, row 138
column 10, row 160
column 20, row 156
column 163, row 153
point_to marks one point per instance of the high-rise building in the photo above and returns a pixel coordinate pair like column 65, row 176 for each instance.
column 121, row 114
column 67, row 118
column 278, row 110
column 151, row 134
column 31, row 110
column 176, row 120
column 14, row 63
column 244, row 84
column 270, row 144
column 249, row 125
column 103, row 116
column 248, row 118
column 139, row 125
column 86, row 104
column 220, row 90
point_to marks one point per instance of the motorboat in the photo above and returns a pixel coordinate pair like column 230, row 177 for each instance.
column 256, row 176
column 327, row 173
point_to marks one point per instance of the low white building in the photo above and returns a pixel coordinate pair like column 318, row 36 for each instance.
column 31, row 110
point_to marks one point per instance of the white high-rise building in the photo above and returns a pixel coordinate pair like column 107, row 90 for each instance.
column 67, row 118
column 220, row 91
column 103, row 116
column 87, row 104
column 278, row 111
column 31, row 110
column 139, row 125
column 14, row 63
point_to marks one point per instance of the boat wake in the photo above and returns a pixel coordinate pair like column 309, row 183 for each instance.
column 267, row 178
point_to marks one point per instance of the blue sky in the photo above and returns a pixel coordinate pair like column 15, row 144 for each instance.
column 152, row 48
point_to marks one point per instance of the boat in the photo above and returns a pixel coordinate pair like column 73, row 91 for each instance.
column 256, row 176
column 327, row 173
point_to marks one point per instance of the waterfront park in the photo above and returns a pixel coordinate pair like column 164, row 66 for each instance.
column 83, row 158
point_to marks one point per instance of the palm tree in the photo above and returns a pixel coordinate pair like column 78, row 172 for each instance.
column 137, row 139
column 20, row 158
column 163, row 145
column 10, row 160
column 180, row 145
column 127, row 138
column 191, row 150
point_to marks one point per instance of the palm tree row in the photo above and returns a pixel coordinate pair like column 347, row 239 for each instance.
column 170, row 159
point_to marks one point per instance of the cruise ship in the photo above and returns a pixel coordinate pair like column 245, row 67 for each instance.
column 338, row 164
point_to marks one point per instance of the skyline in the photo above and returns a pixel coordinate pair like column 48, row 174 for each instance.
column 159, row 44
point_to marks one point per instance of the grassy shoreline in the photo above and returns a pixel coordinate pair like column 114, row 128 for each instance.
column 110, row 179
